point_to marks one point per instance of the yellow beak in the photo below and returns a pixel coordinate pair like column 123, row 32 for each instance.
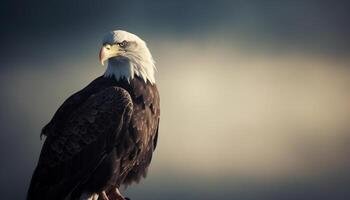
column 108, row 51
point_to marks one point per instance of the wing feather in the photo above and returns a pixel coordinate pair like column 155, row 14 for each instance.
column 80, row 143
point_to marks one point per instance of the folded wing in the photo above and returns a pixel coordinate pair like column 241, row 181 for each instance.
column 78, row 146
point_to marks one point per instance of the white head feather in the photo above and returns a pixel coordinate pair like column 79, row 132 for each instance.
column 135, row 58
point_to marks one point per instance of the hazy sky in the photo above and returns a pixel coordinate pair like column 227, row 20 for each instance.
column 254, row 95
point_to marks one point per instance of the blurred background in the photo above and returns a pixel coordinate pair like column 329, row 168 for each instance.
column 254, row 94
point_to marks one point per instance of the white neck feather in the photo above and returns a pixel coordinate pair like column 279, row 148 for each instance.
column 127, row 69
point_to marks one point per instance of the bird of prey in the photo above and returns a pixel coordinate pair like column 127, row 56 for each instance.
column 103, row 136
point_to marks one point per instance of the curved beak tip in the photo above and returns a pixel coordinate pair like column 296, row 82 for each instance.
column 102, row 56
column 105, row 54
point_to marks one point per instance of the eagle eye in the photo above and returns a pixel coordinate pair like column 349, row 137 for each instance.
column 123, row 44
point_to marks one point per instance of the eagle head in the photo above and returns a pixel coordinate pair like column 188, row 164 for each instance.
column 127, row 56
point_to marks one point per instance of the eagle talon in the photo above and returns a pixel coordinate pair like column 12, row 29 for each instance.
column 104, row 195
column 116, row 195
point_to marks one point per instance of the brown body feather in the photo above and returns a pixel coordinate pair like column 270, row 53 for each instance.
column 100, row 138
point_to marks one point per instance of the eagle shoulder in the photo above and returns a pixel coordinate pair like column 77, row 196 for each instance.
column 69, row 105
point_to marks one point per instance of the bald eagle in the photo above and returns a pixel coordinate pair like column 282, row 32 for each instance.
column 103, row 136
